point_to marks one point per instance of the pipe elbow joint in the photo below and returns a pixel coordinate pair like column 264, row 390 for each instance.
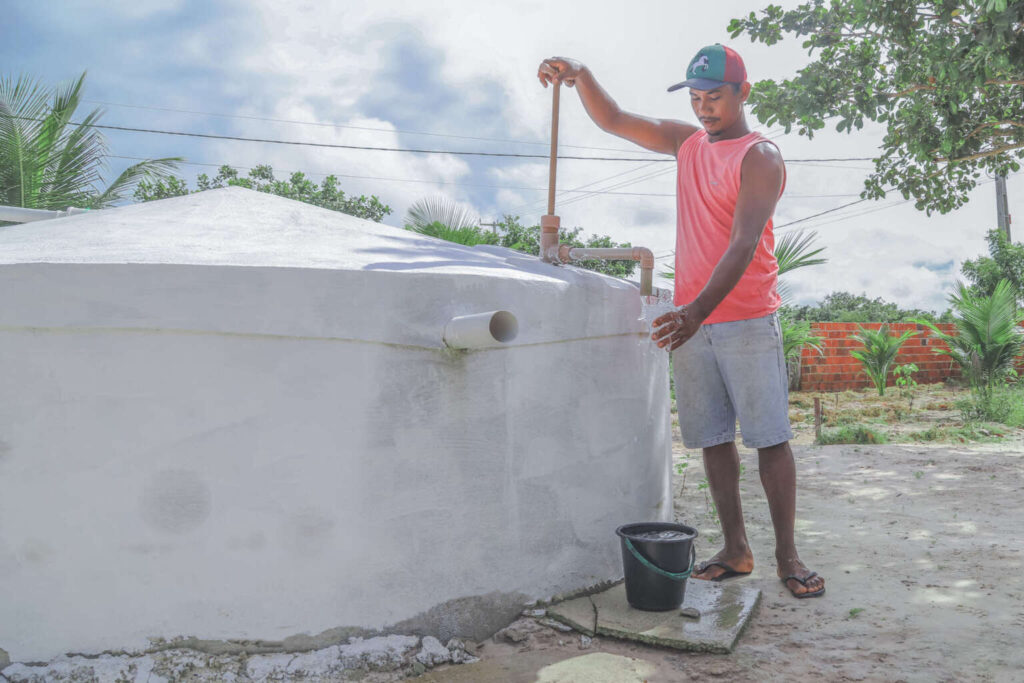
column 645, row 256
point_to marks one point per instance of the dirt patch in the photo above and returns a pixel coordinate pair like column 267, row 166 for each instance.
column 919, row 544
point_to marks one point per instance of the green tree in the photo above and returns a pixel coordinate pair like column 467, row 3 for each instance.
column 261, row 178
column 878, row 353
column 845, row 307
column 945, row 77
column 1004, row 262
column 47, row 161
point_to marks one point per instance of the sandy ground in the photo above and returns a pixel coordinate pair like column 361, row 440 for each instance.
column 920, row 545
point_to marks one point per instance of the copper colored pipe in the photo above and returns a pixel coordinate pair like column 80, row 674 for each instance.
column 553, row 252
column 549, row 223
column 566, row 252
column 554, row 149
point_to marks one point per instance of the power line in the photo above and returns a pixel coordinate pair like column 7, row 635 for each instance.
column 561, row 193
column 822, row 213
column 455, row 184
column 646, row 177
column 331, row 145
column 328, row 145
column 862, row 213
column 398, row 180
column 367, row 128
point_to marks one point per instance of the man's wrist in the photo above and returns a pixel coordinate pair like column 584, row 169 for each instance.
column 697, row 310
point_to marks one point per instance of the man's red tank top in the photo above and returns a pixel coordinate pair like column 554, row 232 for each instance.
column 707, row 187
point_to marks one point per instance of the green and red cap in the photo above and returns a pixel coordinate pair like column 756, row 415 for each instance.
column 713, row 67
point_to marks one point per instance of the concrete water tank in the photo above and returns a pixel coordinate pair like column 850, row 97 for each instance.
column 232, row 416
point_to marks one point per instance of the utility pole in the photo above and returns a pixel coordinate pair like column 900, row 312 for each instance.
column 492, row 226
column 1002, row 206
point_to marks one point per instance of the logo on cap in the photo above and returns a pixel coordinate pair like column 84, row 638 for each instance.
column 713, row 67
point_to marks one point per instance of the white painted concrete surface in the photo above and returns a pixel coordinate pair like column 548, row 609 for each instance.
column 231, row 416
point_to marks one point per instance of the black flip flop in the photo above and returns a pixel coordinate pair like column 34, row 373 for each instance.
column 803, row 582
column 729, row 572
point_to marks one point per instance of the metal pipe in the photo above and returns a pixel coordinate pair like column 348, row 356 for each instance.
column 19, row 214
column 480, row 330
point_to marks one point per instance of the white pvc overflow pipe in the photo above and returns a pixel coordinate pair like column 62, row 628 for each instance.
column 480, row 330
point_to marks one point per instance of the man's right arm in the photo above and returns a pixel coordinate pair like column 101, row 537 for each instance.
column 658, row 135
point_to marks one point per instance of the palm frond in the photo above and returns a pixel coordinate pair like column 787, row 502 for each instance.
column 47, row 163
column 797, row 336
column 439, row 209
column 794, row 251
column 468, row 236
column 151, row 169
column 22, row 108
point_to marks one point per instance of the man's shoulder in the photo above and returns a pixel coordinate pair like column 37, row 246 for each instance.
column 763, row 156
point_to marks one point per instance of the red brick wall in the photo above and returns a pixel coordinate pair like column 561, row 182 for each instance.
column 837, row 370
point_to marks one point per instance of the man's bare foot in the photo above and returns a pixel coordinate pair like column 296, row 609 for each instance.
column 736, row 564
column 805, row 583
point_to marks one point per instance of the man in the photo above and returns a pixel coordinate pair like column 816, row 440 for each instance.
column 725, row 339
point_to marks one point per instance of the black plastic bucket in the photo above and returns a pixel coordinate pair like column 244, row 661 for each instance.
column 656, row 569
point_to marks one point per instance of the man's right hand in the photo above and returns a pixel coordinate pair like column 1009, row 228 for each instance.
column 559, row 70
column 658, row 135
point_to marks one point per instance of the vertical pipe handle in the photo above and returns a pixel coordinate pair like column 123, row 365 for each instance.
column 554, row 148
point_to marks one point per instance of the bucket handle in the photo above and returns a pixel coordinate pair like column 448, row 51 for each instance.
column 675, row 576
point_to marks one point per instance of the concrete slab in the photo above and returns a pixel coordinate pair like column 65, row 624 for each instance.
column 724, row 612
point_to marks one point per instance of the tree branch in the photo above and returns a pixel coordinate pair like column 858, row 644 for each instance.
column 915, row 88
column 995, row 123
column 981, row 155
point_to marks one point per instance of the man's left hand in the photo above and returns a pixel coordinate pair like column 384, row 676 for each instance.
column 675, row 328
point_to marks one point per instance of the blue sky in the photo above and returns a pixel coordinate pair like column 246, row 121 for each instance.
column 463, row 70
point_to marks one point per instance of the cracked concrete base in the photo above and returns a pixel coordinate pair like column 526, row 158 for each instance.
column 383, row 659
column 724, row 611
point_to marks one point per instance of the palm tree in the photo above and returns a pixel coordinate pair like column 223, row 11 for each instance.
column 444, row 219
column 879, row 352
column 49, row 162
column 438, row 209
column 988, row 335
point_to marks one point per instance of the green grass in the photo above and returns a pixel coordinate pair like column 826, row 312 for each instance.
column 972, row 431
column 851, row 433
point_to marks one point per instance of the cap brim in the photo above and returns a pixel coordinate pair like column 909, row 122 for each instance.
column 698, row 84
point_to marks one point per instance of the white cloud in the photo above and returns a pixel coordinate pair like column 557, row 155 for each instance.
column 380, row 65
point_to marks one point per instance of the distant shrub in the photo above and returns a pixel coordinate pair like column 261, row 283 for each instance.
column 1003, row 404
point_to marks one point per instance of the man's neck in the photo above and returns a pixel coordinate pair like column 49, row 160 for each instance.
column 736, row 130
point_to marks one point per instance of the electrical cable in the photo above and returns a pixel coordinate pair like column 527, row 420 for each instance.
column 367, row 128
column 328, row 145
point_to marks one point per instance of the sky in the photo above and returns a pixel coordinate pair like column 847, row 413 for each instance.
column 461, row 76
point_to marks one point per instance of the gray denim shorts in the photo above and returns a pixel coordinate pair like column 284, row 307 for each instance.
column 733, row 370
